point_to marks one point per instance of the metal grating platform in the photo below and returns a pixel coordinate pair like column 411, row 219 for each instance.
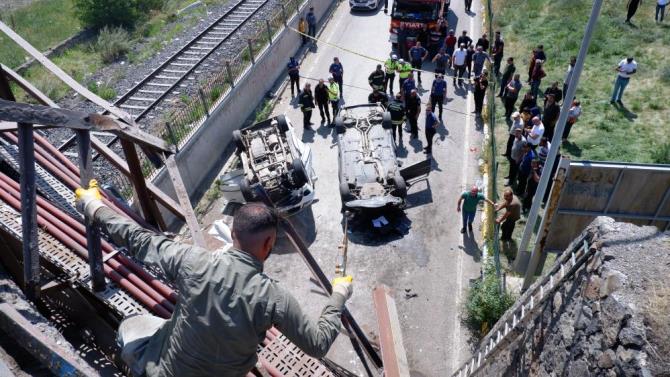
column 71, row 264
column 57, row 193
column 289, row 360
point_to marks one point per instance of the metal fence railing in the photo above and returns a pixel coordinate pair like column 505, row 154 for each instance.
column 178, row 126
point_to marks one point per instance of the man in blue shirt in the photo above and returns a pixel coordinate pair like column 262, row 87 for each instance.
column 478, row 59
column 525, row 167
column 407, row 86
column 437, row 92
column 417, row 55
column 337, row 71
column 294, row 74
column 430, row 129
column 311, row 23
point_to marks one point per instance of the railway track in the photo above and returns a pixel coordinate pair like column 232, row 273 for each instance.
column 170, row 76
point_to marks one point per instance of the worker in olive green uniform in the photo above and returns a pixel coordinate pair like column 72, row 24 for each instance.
column 397, row 110
column 225, row 304
column 390, row 67
column 404, row 70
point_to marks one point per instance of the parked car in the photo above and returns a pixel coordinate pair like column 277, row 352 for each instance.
column 368, row 166
column 276, row 164
column 364, row 4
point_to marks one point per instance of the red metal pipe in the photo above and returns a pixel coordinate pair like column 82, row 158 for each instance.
column 156, row 284
column 55, row 152
column 109, row 272
column 81, row 240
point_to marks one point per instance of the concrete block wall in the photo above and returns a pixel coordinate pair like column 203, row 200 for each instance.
column 203, row 156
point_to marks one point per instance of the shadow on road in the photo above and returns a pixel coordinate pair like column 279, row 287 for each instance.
column 470, row 247
column 362, row 230
column 304, row 224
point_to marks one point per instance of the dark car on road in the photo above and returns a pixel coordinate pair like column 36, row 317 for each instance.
column 368, row 166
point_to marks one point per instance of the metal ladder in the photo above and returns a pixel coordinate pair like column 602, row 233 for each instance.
column 527, row 307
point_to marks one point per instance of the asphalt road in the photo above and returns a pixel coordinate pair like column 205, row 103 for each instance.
column 433, row 259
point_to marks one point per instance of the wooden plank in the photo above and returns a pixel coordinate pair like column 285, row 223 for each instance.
column 394, row 357
column 182, row 196
column 72, row 83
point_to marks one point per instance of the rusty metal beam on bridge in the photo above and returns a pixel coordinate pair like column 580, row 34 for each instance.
column 182, row 195
column 390, row 336
column 11, row 111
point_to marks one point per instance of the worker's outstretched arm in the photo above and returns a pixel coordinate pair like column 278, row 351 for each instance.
column 145, row 245
column 315, row 338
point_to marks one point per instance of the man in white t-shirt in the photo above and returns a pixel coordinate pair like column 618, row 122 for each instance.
column 459, row 63
column 535, row 134
column 626, row 68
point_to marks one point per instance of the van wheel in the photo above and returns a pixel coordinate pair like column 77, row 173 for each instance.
column 400, row 186
column 282, row 124
column 300, row 176
column 345, row 193
column 239, row 143
column 247, row 191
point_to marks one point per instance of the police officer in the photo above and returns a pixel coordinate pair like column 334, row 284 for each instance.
column 418, row 54
column 407, row 86
column 377, row 78
column 378, row 96
column 334, row 95
column 437, row 92
column 390, row 66
column 294, row 74
column 404, row 70
column 225, row 301
column 397, row 110
column 337, row 70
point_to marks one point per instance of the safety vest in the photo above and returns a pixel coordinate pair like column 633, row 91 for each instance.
column 404, row 70
column 333, row 92
column 391, row 66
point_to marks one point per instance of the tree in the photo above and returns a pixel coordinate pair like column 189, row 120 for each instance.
column 125, row 13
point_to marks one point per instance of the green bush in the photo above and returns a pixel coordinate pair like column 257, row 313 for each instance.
column 485, row 304
column 100, row 13
column 105, row 91
column 112, row 44
column 660, row 153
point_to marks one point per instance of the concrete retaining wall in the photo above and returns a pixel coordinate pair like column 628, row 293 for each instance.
column 203, row 156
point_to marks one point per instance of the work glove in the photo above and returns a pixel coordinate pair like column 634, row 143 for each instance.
column 343, row 285
column 88, row 200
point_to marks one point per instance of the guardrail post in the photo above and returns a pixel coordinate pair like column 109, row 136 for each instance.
column 204, row 102
column 229, row 72
column 283, row 13
column 267, row 23
column 251, row 51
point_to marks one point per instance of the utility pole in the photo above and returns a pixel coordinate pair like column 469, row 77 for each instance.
column 553, row 151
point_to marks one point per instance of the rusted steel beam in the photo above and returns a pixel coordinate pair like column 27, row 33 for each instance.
column 27, row 86
column 93, row 241
column 182, row 196
column 390, row 336
column 44, row 349
column 56, row 117
column 149, row 207
column 72, row 83
column 28, row 190
column 5, row 89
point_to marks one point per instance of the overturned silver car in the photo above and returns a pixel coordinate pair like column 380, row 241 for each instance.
column 368, row 167
column 277, row 165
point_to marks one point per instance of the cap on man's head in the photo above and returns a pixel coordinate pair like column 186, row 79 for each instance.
column 515, row 115
column 401, row 61
column 394, row 57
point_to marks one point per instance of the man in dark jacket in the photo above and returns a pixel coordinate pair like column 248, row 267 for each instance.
column 378, row 96
column 413, row 107
column 306, row 101
column 510, row 68
column 437, row 92
column 497, row 52
column 293, row 68
column 550, row 116
column 397, row 110
column 321, row 97
column 376, row 78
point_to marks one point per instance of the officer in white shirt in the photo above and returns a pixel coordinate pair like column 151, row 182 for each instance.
column 625, row 69
column 459, row 63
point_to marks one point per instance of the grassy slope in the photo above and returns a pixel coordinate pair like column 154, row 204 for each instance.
column 43, row 23
column 603, row 132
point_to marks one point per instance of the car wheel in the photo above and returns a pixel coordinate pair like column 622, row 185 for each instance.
column 247, row 191
column 339, row 125
column 300, row 176
column 239, row 143
column 282, row 124
column 400, row 185
column 386, row 121
column 345, row 192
